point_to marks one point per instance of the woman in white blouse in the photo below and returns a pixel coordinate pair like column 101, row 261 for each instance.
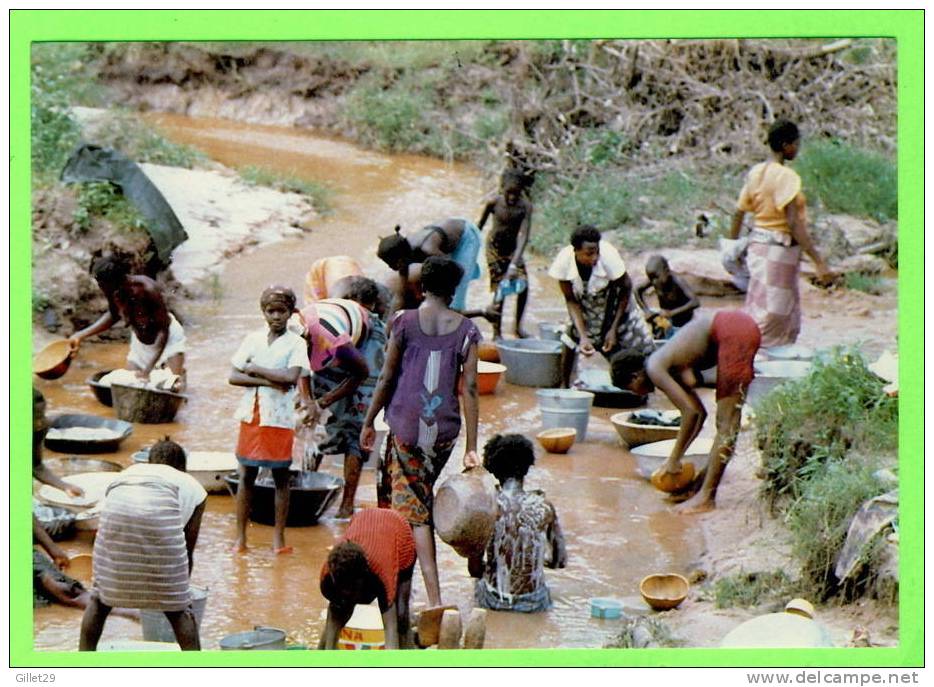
column 597, row 291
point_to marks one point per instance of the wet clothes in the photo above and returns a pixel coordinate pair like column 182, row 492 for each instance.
column 330, row 324
column 465, row 255
column 141, row 354
column 424, row 409
column 498, row 259
column 387, row 543
column 737, row 338
column 140, row 556
column 514, row 568
column 413, row 472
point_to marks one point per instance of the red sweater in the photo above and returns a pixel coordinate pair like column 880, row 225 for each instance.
column 387, row 543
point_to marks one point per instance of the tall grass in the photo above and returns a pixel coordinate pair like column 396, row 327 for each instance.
column 819, row 520
column 837, row 409
column 750, row 589
column 849, row 180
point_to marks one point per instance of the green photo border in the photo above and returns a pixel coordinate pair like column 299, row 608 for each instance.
column 906, row 26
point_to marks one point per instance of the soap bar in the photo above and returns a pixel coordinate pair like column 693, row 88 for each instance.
column 607, row 609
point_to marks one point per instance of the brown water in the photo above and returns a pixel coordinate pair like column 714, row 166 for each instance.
column 617, row 527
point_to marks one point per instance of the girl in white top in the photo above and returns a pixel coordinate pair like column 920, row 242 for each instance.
column 268, row 364
column 597, row 291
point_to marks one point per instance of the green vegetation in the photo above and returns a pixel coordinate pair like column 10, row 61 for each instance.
column 819, row 521
column 639, row 633
column 103, row 199
column 803, row 425
column 750, row 589
column 822, row 440
column 868, row 283
column 319, row 194
column 849, row 180
column 138, row 141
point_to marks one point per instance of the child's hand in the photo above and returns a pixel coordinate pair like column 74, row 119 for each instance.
column 609, row 343
column 471, row 460
column 586, row 347
column 367, row 438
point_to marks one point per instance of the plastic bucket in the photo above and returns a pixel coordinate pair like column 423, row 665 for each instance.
column 260, row 638
column 364, row 630
column 156, row 627
column 558, row 417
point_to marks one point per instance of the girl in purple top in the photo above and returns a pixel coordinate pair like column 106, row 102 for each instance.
column 431, row 349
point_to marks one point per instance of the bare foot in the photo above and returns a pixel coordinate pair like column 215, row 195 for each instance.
column 239, row 547
column 696, row 506
column 282, row 550
column 521, row 333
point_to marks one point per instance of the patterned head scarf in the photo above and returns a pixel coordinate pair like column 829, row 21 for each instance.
column 278, row 294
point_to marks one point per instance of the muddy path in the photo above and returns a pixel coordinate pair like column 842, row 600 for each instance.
column 617, row 527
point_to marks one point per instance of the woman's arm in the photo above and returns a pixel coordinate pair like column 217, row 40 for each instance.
column 191, row 533
column 103, row 323
column 737, row 224
column 796, row 215
column 280, row 376
column 238, row 378
column 383, row 392
column 577, row 317
column 685, row 400
column 624, row 284
column 42, row 473
column 471, row 406
column 351, row 361
column 640, row 297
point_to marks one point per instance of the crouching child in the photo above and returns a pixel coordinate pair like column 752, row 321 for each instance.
column 526, row 536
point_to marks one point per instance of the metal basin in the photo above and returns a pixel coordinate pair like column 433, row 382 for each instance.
column 310, row 494
column 531, row 362
column 63, row 467
column 101, row 392
column 120, row 431
column 650, row 457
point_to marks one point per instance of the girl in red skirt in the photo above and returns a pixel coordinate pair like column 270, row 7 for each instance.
column 268, row 363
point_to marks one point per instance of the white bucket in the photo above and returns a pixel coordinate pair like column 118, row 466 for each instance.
column 364, row 630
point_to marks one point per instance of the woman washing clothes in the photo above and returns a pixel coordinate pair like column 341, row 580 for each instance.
column 457, row 239
column 772, row 192
column 597, row 291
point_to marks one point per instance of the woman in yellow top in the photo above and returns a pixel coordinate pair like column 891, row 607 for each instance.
column 772, row 192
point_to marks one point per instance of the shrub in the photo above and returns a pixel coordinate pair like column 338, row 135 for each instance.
column 819, row 520
column 138, row 141
column 390, row 120
column 849, row 180
column 803, row 424
column 750, row 589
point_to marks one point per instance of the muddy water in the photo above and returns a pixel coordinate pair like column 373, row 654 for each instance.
column 617, row 527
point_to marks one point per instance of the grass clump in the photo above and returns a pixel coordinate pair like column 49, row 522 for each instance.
column 140, row 143
column 802, row 425
column 750, row 589
column 643, row 633
column 319, row 194
column 819, row 520
column 850, row 180
column 867, row 283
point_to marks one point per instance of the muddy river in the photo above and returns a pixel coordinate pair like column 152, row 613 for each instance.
column 617, row 527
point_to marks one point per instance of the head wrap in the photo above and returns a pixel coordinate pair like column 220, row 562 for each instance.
column 278, row 294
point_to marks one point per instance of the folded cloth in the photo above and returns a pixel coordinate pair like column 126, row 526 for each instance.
column 161, row 379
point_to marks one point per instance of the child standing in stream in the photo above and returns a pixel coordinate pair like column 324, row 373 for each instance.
column 268, row 364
